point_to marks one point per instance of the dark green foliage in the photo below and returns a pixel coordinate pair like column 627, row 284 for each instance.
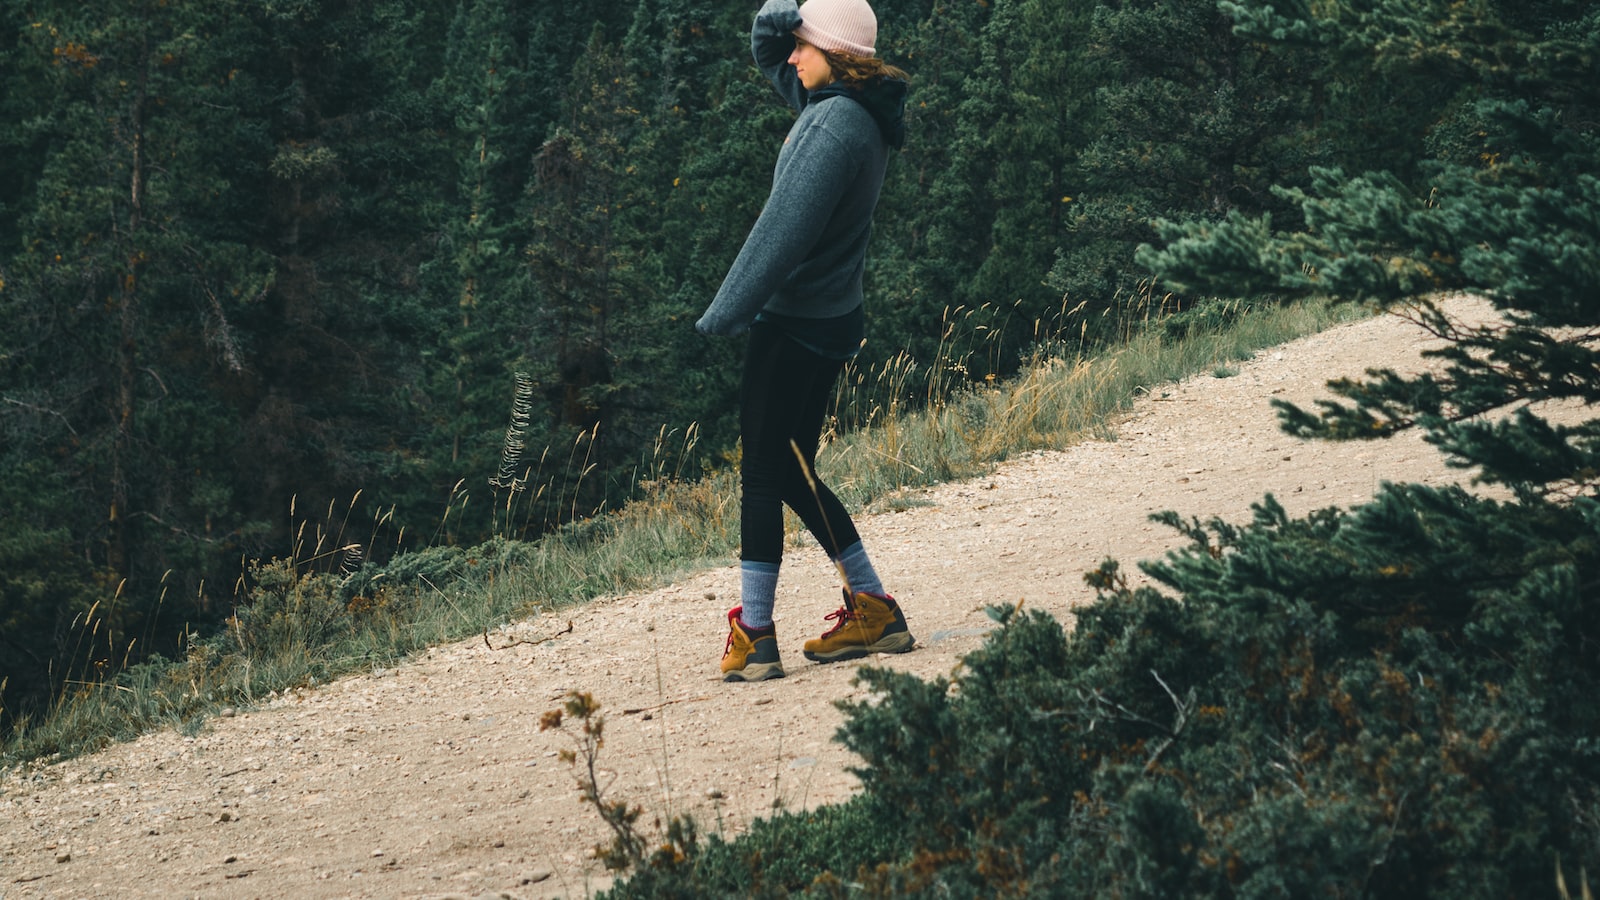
column 1509, row 212
column 264, row 258
column 258, row 258
column 1198, row 121
column 1397, row 701
column 1210, row 314
column 1190, row 117
column 1517, row 221
column 779, row 856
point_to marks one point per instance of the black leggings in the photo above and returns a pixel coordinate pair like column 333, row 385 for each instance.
column 784, row 397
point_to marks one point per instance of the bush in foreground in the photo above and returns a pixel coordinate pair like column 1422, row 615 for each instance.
column 1399, row 700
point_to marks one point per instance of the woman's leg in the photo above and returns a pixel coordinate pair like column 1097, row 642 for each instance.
column 786, row 394
column 824, row 516
column 785, row 398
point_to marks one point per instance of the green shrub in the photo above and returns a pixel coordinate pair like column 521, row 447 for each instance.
column 789, row 853
column 1210, row 315
column 289, row 611
column 1400, row 700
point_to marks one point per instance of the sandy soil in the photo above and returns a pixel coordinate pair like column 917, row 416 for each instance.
column 433, row 779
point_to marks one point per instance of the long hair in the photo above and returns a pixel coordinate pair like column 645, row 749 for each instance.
column 856, row 71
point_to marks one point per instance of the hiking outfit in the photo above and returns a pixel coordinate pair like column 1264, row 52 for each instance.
column 796, row 288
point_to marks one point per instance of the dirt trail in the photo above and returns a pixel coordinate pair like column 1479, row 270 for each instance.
column 432, row 779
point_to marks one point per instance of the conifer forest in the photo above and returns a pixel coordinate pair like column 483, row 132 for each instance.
column 264, row 258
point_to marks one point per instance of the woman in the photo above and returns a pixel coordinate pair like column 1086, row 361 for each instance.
column 796, row 288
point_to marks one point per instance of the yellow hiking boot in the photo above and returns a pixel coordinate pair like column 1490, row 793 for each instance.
column 751, row 654
column 867, row 623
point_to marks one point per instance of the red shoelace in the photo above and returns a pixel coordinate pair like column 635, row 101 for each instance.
column 844, row 614
column 728, row 647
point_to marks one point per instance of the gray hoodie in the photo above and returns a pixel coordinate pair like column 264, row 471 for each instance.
column 805, row 255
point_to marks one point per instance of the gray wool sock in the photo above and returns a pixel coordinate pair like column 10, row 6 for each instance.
column 858, row 570
column 758, row 587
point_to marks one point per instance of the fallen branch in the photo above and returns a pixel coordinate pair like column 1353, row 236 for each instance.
column 640, row 709
column 520, row 641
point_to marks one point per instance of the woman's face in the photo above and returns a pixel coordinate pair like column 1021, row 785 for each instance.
column 810, row 65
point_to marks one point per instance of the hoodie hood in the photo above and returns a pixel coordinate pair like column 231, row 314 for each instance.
column 883, row 98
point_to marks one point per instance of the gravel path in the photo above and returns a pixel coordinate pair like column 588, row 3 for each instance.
column 433, row 779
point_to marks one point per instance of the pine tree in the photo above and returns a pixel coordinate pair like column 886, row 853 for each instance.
column 1519, row 224
column 497, row 129
column 925, row 246
column 584, row 257
column 1495, row 600
column 1196, row 121
column 123, row 302
column 1031, row 102
column 346, row 342
column 702, row 166
column 216, row 221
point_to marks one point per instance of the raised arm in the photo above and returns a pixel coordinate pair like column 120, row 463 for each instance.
column 771, row 42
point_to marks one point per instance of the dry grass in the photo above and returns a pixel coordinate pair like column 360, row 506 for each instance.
column 327, row 610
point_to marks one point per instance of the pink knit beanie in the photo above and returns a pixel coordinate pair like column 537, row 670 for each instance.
column 846, row 26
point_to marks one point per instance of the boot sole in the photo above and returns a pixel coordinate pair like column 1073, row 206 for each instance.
column 755, row 672
column 899, row 642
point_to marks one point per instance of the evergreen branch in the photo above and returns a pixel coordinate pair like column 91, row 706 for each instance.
column 1492, row 367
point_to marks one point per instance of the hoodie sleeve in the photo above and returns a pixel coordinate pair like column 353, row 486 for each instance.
column 805, row 190
column 771, row 42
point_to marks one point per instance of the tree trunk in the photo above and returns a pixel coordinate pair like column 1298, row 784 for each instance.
column 127, row 344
